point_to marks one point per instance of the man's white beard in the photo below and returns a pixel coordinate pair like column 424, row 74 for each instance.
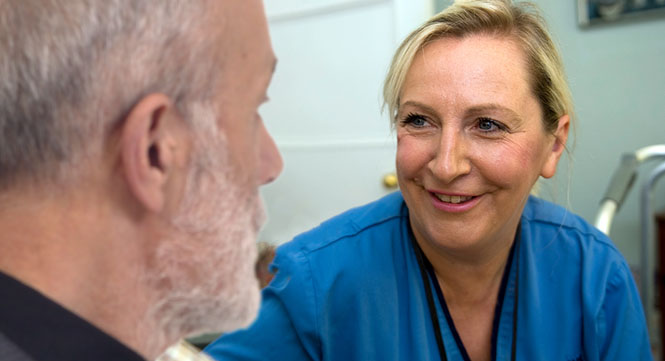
column 204, row 272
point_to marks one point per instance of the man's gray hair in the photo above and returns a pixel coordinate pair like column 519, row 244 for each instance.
column 71, row 69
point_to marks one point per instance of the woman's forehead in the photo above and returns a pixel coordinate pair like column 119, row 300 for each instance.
column 483, row 64
column 458, row 74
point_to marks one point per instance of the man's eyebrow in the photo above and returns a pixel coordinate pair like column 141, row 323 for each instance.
column 269, row 77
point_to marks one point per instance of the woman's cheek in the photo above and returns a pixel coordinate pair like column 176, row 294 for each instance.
column 412, row 155
column 508, row 164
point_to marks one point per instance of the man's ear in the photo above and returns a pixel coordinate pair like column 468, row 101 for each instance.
column 152, row 147
column 559, row 145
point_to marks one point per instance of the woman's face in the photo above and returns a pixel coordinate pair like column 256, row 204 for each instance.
column 471, row 142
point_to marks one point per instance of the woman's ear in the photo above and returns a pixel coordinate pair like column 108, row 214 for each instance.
column 559, row 145
column 152, row 147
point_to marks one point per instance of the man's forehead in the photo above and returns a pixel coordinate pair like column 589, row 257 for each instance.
column 244, row 32
column 244, row 56
column 242, row 24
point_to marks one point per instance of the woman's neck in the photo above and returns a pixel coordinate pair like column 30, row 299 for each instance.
column 471, row 276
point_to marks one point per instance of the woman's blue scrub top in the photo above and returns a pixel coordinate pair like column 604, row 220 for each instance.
column 351, row 289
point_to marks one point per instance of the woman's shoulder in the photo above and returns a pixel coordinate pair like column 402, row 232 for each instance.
column 346, row 253
column 552, row 226
column 381, row 215
column 542, row 213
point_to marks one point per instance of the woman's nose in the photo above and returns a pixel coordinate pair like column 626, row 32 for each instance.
column 450, row 160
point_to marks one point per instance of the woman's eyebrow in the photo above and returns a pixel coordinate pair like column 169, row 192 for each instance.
column 493, row 107
column 480, row 109
column 422, row 106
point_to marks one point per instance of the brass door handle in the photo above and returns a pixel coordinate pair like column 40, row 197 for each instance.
column 390, row 181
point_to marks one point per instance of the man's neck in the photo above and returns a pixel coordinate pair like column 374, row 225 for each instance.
column 72, row 250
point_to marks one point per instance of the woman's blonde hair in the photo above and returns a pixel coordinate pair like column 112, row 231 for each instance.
column 521, row 21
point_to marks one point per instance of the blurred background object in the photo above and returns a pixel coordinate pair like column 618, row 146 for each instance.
column 266, row 255
column 592, row 12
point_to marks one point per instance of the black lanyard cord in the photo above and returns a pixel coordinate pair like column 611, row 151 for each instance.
column 513, row 347
column 430, row 300
column 432, row 307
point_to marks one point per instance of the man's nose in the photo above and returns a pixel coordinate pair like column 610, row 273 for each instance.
column 451, row 159
column 271, row 161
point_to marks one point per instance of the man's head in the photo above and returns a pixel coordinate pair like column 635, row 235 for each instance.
column 153, row 104
column 72, row 69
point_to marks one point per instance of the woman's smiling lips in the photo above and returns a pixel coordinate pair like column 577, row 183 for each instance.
column 454, row 203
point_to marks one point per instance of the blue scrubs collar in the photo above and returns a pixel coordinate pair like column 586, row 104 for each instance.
column 429, row 278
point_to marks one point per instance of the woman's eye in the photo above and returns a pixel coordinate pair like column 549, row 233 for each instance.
column 488, row 125
column 415, row 120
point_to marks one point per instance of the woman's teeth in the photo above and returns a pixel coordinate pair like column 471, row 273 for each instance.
column 452, row 199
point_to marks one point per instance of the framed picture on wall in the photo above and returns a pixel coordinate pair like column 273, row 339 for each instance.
column 591, row 12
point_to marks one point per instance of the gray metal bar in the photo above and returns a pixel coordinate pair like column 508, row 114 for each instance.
column 621, row 182
column 648, row 246
column 622, row 179
column 605, row 215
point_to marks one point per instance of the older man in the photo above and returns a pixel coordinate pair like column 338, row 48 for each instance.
column 131, row 152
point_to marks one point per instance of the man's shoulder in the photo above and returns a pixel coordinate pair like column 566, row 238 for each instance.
column 36, row 325
column 355, row 223
column 9, row 351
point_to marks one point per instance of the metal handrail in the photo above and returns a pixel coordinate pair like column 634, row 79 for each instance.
column 621, row 182
column 619, row 187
